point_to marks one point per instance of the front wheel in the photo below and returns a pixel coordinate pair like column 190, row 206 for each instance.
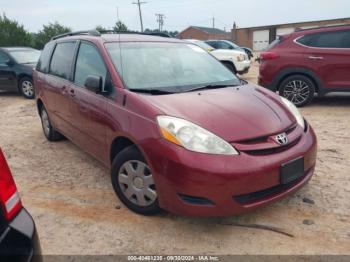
column 26, row 87
column 133, row 182
column 299, row 89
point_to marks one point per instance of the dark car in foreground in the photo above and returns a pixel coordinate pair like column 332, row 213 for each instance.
column 178, row 130
column 16, row 67
column 18, row 237
column 306, row 62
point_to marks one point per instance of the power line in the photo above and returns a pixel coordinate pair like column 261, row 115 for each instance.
column 160, row 20
column 140, row 12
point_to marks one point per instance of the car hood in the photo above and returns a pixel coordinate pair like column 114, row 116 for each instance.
column 233, row 113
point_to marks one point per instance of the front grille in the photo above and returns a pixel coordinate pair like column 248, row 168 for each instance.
column 263, row 139
column 196, row 200
column 252, row 197
column 272, row 150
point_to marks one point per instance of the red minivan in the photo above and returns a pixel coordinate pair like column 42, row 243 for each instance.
column 306, row 62
column 179, row 131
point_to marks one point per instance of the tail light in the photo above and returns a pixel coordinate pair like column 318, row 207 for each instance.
column 268, row 56
column 10, row 201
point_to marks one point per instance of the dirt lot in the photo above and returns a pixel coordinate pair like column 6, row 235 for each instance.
column 71, row 199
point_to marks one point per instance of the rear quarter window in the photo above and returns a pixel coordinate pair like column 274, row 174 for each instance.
column 336, row 39
column 44, row 60
column 62, row 60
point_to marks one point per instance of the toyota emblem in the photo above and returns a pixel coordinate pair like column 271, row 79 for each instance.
column 282, row 139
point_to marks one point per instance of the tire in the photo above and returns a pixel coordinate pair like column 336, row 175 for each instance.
column 299, row 89
column 50, row 133
column 26, row 87
column 230, row 66
column 133, row 182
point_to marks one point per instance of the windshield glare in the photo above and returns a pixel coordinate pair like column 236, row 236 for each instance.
column 26, row 56
column 173, row 67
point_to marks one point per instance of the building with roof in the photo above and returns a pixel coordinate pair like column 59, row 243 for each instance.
column 259, row 37
column 204, row 33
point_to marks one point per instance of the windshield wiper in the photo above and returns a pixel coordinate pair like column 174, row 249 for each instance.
column 151, row 91
column 208, row 87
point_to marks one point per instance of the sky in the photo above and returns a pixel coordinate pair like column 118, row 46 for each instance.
column 87, row 14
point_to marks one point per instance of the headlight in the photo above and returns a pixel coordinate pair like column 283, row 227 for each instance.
column 240, row 58
column 294, row 110
column 193, row 137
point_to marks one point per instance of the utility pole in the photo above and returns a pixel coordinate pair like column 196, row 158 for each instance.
column 140, row 13
column 118, row 13
column 160, row 20
column 213, row 22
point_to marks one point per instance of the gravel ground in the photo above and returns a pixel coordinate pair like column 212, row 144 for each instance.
column 71, row 199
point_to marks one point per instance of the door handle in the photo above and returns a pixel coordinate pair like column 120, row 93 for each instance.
column 316, row 57
column 71, row 92
column 64, row 89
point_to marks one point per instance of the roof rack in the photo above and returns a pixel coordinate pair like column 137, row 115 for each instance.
column 320, row 27
column 133, row 32
column 99, row 33
column 88, row 32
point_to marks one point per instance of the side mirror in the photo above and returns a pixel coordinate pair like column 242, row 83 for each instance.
column 94, row 83
column 9, row 62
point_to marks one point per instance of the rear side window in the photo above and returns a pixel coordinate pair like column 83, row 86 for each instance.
column 61, row 62
column 337, row 39
column 44, row 60
column 89, row 62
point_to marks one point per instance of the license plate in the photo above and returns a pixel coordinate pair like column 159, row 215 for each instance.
column 292, row 170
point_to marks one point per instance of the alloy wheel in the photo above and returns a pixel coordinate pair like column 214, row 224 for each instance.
column 28, row 88
column 297, row 91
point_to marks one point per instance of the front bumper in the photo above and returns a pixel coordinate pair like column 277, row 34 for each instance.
column 20, row 241
column 242, row 67
column 194, row 184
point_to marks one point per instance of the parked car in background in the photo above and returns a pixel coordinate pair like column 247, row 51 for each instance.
column 228, row 45
column 16, row 66
column 179, row 131
column 306, row 62
column 18, row 237
column 235, row 60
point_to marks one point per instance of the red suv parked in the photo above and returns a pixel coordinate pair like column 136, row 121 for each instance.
column 308, row 62
column 178, row 129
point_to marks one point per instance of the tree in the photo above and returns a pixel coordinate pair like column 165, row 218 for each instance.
column 100, row 28
column 120, row 27
column 12, row 33
column 49, row 31
column 171, row 33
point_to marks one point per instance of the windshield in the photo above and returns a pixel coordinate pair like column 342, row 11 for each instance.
column 26, row 56
column 234, row 45
column 172, row 67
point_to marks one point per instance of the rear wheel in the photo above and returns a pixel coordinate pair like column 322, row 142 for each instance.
column 26, row 87
column 133, row 182
column 50, row 133
column 299, row 89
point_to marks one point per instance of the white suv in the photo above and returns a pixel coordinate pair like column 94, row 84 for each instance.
column 235, row 60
